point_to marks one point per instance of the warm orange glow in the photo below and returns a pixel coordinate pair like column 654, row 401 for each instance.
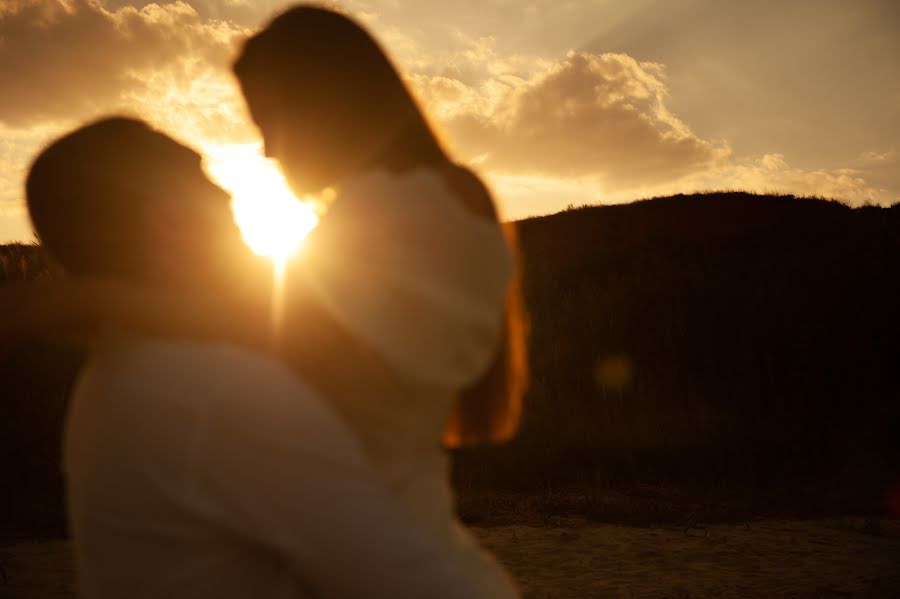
column 273, row 222
column 279, row 278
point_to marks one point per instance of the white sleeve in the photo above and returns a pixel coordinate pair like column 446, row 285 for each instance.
column 408, row 270
column 277, row 467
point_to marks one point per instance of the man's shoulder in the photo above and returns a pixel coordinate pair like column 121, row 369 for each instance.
column 242, row 397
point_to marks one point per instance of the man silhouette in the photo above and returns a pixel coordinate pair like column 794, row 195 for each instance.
column 202, row 469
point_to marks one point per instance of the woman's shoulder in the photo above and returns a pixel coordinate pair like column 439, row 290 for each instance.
column 449, row 184
column 468, row 189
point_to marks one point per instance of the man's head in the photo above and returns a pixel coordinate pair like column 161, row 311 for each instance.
column 117, row 198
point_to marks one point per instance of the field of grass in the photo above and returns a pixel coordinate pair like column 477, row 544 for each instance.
column 36, row 379
column 712, row 340
column 728, row 351
column 574, row 558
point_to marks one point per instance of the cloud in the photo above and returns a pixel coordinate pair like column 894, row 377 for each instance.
column 582, row 127
column 881, row 169
column 241, row 12
column 769, row 174
column 17, row 147
column 598, row 126
column 523, row 196
column 598, row 116
column 71, row 58
column 63, row 62
column 772, row 173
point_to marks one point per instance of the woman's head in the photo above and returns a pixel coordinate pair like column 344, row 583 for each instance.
column 328, row 101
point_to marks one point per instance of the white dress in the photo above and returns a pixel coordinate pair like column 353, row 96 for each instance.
column 418, row 283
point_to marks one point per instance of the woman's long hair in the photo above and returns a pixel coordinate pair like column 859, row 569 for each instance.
column 323, row 64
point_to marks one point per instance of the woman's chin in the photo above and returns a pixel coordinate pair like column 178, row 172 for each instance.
column 305, row 184
column 301, row 188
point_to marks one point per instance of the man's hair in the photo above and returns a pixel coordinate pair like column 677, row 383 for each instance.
column 86, row 192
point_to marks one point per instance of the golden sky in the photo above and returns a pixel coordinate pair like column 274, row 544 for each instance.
column 556, row 102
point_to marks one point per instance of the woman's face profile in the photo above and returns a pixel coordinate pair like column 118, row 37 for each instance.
column 314, row 151
column 292, row 142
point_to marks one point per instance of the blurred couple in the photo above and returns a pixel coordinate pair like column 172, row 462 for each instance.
column 206, row 456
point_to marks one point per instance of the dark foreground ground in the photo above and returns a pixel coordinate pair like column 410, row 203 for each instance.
column 841, row 557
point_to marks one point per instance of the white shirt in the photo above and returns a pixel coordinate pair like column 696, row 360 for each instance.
column 202, row 471
column 418, row 283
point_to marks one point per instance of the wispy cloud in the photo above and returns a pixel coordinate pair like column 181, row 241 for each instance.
column 64, row 59
column 598, row 116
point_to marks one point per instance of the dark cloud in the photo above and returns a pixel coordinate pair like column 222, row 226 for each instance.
column 589, row 115
column 62, row 59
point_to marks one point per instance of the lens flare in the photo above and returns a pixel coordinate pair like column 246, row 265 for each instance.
column 273, row 222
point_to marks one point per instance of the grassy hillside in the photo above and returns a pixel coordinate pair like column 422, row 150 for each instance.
column 709, row 340
column 36, row 378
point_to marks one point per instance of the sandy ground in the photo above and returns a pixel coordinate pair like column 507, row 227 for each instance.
column 572, row 558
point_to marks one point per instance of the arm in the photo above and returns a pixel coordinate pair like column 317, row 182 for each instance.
column 279, row 469
column 78, row 309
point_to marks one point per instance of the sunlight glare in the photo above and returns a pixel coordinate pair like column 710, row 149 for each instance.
column 273, row 222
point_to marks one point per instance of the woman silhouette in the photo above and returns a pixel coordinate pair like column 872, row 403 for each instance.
column 403, row 310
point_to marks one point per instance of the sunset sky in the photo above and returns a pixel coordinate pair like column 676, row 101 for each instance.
column 556, row 102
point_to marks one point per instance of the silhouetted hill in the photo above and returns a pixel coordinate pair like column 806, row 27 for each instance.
column 35, row 378
column 713, row 339
column 720, row 339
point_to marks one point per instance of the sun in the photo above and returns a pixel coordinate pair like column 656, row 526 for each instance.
column 272, row 221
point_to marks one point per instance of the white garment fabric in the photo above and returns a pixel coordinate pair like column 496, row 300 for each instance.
column 419, row 283
column 413, row 274
column 207, row 471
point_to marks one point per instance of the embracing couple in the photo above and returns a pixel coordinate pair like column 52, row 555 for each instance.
column 207, row 457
